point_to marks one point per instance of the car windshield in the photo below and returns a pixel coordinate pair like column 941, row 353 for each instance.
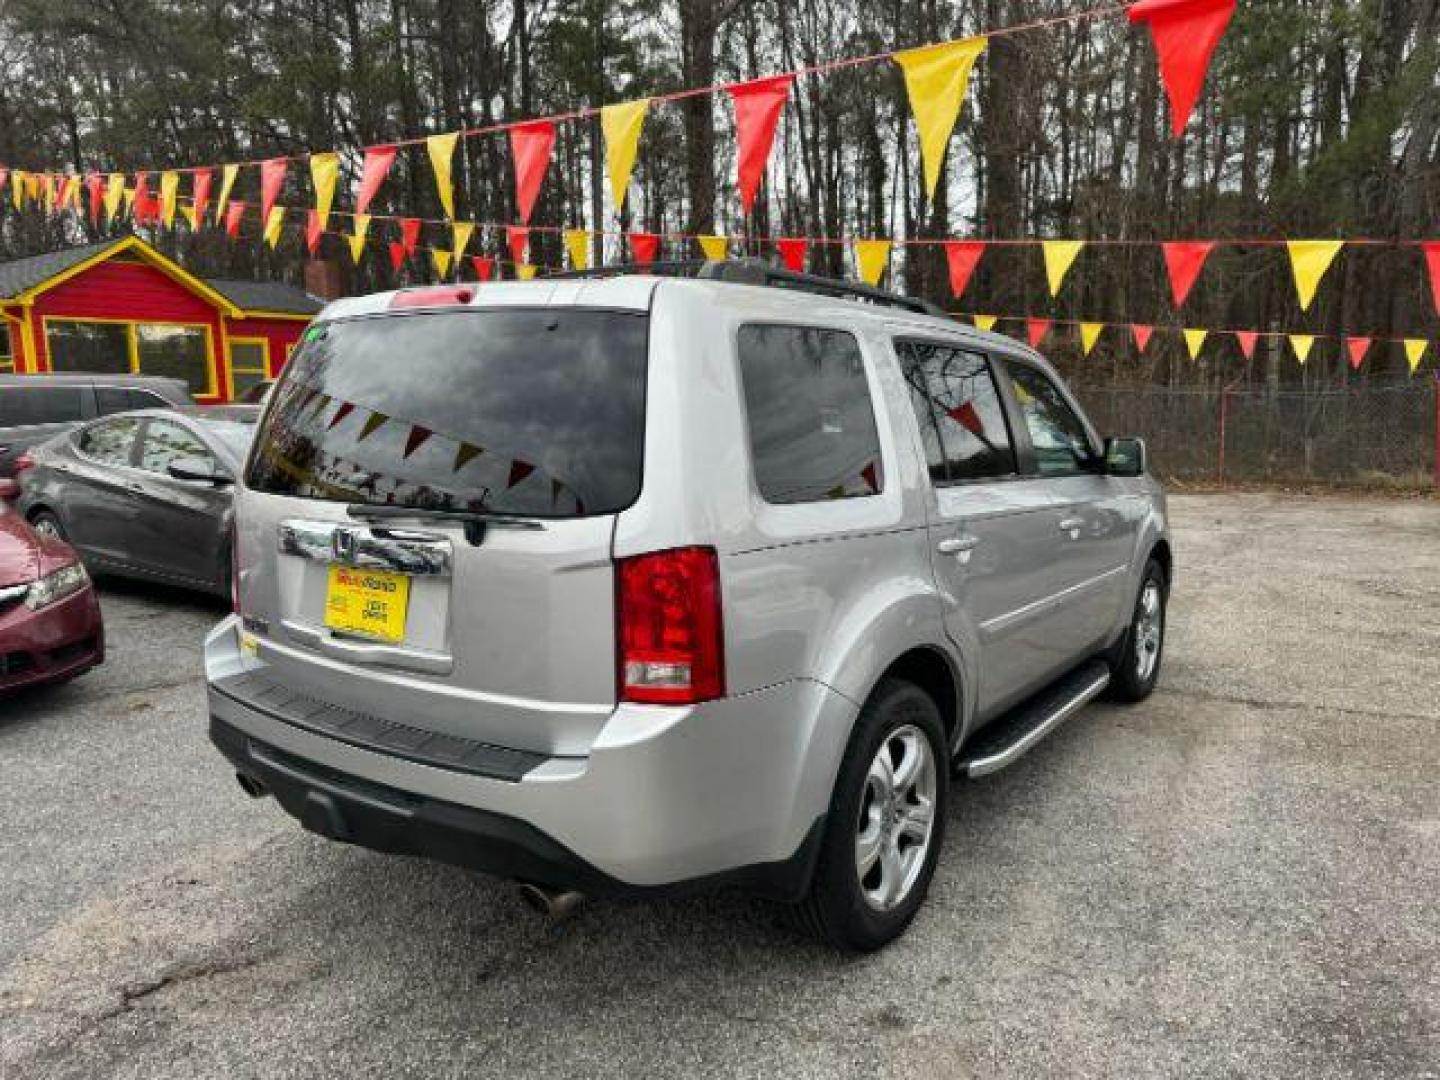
column 534, row 412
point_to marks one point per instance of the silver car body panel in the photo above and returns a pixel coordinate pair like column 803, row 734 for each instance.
column 516, row 645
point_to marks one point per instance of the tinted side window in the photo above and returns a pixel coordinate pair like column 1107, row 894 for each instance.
column 112, row 399
column 166, row 442
column 144, row 399
column 1056, row 433
column 962, row 421
column 21, row 406
column 109, row 441
column 812, row 426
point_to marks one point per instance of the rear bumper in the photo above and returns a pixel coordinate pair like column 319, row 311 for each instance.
column 668, row 799
column 56, row 642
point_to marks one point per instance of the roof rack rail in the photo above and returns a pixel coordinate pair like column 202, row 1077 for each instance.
column 760, row 272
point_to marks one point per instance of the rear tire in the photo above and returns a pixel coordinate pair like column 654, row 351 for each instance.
column 47, row 524
column 1135, row 664
column 886, row 823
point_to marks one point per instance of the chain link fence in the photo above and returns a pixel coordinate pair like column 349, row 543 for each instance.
column 1383, row 436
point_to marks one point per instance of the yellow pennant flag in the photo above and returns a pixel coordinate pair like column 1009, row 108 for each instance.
column 441, row 258
column 442, row 156
column 357, row 238
column 525, row 271
column 715, row 248
column 17, row 188
column 272, row 226
column 169, row 192
column 1309, row 259
column 1089, row 335
column 324, row 173
column 985, row 322
column 935, row 78
column 577, row 244
column 872, row 256
column 114, row 193
column 128, row 198
column 227, row 181
column 1301, row 343
column 1195, row 341
column 1059, row 255
column 460, row 233
column 621, row 125
column 1414, row 351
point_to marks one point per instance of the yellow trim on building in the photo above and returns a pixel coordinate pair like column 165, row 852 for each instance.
column 263, row 370
column 133, row 243
column 246, row 313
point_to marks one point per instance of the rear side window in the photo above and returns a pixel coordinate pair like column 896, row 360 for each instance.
column 109, row 442
column 21, row 406
column 540, row 413
column 962, row 422
column 812, row 424
column 166, row 443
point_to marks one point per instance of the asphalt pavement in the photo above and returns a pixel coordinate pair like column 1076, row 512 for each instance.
column 1238, row 877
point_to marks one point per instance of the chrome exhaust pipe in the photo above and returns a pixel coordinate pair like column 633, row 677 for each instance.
column 552, row 903
column 252, row 787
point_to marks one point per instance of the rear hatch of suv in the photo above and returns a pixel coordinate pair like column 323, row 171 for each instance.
column 424, row 532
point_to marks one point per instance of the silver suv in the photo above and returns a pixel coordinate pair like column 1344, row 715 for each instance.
column 634, row 584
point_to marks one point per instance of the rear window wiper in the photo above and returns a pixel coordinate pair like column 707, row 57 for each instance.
column 475, row 521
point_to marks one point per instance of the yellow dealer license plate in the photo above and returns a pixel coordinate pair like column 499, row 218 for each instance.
column 369, row 602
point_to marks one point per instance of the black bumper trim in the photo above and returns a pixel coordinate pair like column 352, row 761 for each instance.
column 357, row 811
column 279, row 702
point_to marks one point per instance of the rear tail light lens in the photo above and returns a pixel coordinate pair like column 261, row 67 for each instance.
column 669, row 627
column 436, row 296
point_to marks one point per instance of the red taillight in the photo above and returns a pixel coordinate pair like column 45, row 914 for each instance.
column 669, row 628
column 435, row 296
column 23, row 462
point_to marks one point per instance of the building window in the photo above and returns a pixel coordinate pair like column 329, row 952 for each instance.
column 248, row 361
column 88, row 346
column 180, row 352
column 7, row 347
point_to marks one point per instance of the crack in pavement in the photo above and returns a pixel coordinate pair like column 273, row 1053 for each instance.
column 1277, row 704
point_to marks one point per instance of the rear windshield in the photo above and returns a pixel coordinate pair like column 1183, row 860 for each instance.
column 539, row 413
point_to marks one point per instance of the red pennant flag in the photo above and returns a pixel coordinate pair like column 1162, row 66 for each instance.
column 378, row 160
column 417, row 436
column 966, row 416
column 871, row 477
column 1035, row 331
column 233, row 213
column 518, row 471
column 1185, row 33
column 1247, row 339
column 1184, row 260
column 1431, row 248
column 200, row 192
column 1141, row 334
column 1357, row 347
column 962, row 255
column 792, row 251
column 312, row 230
column 142, row 198
column 644, row 247
column 345, row 409
column 757, row 110
column 517, row 237
column 62, row 196
column 95, row 185
column 484, row 266
column 530, row 146
column 409, row 234
column 397, row 255
column 272, row 178
column 148, row 209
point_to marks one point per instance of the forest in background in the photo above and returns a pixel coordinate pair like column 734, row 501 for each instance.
column 1320, row 119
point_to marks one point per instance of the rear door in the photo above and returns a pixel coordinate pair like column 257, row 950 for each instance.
column 177, row 532
column 992, row 528
column 504, row 631
column 98, row 508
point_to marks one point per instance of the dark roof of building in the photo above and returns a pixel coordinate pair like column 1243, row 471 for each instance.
column 265, row 296
column 18, row 275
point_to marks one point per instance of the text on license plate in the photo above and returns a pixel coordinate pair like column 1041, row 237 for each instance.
column 369, row 602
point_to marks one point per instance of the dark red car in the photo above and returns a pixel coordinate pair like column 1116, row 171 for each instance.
column 50, row 625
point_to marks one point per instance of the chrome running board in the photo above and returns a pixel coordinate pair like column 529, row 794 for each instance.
column 1007, row 739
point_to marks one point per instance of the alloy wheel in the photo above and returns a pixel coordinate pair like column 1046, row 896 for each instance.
column 897, row 818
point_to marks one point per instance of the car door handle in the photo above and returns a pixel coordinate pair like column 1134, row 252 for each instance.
column 956, row 545
column 1072, row 525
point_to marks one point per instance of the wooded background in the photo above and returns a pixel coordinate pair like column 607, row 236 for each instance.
column 1320, row 119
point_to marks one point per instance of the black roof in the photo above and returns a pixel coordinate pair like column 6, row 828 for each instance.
column 18, row 275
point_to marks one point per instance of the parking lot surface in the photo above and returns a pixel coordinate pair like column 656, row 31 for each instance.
column 1238, row 877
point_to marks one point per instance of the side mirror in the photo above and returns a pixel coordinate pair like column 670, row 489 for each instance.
column 9, row 490
column 199, row 470
column 1125, row 457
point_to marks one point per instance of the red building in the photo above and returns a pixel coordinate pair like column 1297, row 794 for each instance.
column 121, row 306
